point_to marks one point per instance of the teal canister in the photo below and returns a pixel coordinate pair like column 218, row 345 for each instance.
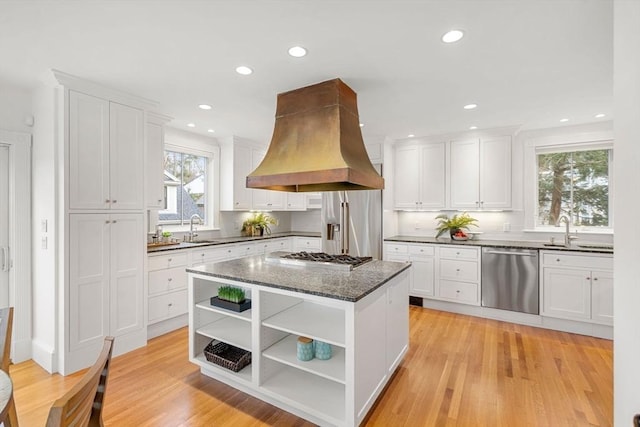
column 322, row 350
column 305, row 349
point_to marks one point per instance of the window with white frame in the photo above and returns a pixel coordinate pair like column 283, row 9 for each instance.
column 187, row 178
column 574, row 181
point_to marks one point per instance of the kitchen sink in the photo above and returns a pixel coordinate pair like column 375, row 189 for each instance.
column 555, row 245
column 203, row 242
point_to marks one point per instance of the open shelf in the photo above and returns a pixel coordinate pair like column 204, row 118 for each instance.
column 312, row 320
column 230, row 330
column 243, row 374
column 320, row 397
column 205, row 305
column 284, row 351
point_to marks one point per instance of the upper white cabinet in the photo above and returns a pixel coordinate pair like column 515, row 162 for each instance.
column 155, row 160
column 480, row 173
column 106, row 154
column 265, row 199
column 420, row 176
column 296, row 201
column 235, row 165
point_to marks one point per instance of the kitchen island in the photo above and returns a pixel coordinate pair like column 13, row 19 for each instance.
column 362, row 314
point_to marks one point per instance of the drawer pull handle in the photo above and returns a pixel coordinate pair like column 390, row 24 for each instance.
column 557, row 259
column 170, row 304
column 595, row 278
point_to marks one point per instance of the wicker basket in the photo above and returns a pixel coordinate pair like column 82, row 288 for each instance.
column 227, row 356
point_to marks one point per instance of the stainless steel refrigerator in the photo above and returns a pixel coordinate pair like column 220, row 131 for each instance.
column 352, row 222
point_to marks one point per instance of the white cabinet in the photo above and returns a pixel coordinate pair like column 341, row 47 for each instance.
column 458, row 274
column 105, row 284
column 420, row 176
column 208, row 254
column 397, row 323
column 423, row 262
column 296, row 201
column 480, row 173
column 155, row 161
column 577, row 287
column 265, row 199
column 307, row 244
column 273, row 245
column 106, row 154
column 235, row 165
column 167, row 286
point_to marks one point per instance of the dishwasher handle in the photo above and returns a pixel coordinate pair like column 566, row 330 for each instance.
column 492, row 252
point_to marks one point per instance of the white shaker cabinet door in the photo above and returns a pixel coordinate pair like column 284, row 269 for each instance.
column 407, row 177
column 495, row 173
column 88, row 280
column 464, row 174
column 88, row 152
column 602, row 297
column 126, row 157
column 154, row 166
column 567, row 293
column 126, row 287
column 242, row 166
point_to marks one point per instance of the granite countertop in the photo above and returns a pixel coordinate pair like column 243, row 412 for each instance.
column 518, row 244
column 347, row 286
column 226, row 240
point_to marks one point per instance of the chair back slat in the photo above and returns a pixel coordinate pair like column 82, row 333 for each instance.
column 82, row 405
column 6, row 325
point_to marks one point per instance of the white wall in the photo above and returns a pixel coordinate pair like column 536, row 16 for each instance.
column 15, row 106
column 627, row 254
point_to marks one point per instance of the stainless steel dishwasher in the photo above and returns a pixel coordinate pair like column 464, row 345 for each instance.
column 510, row 279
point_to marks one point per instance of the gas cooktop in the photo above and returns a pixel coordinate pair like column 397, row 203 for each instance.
column 317, row 259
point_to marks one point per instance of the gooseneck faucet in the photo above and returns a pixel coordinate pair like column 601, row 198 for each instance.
column 567, row 237
column 193, row 231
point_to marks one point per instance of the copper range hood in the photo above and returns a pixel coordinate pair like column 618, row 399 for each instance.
column 316, row 144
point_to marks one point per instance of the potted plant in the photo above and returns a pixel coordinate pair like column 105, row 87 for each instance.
column 454, row 225
column 258, row 224
column 166, row 236
column 231, row 298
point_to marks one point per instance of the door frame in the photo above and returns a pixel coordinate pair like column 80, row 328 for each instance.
column 19, row 240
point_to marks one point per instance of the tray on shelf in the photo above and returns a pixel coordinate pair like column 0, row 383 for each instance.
column 233, row 306
column 227, row 356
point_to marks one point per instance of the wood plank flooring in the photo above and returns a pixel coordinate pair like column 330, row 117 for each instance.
column 460, row 371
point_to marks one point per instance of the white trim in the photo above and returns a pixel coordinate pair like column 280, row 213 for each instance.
column 20, row 240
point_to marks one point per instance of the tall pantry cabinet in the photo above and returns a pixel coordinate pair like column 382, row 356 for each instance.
column 101, row 237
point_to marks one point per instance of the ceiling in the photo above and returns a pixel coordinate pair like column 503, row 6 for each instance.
column 525, row 63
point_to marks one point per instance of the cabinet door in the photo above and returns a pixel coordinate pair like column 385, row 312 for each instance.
column 433, row 176
column 241, row 168
column 88, row 280
column 464, row 174
column 126, row 157
column 422, row 276
column 407, row 177
column 397, row 321
column 602, row 297
column 265, row 199
column 296, row 201
column 126, row 284
column 566, row 293
column 88, row 152
column 495, row 173
column 154, row 166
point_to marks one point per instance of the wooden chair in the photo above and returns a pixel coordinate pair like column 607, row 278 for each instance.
column 82, row 405
column 9, row 415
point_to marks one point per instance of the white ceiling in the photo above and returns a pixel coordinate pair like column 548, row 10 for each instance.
column 524, row 62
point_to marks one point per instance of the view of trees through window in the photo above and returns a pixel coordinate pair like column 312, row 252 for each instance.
column 185, row 181
column 575, row 184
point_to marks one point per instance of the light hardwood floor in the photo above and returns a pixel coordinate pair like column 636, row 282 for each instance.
column 460, row 371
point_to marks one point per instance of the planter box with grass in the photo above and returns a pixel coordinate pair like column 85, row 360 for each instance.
column 231, row 298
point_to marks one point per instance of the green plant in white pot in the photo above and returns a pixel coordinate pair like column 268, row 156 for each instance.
column 454, row 224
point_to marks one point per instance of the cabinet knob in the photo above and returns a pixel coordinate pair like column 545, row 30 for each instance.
column 170, row 279
column 159, row 200
column 107, row 222
column 201, row 254
column 595, row 278
column 458, row 291
column 557, row 259
column 113, row 222
column 170, row 304
column 170, row 259
column 457, row 269
column 457, row 253
column 107, row 201
column 587, row 278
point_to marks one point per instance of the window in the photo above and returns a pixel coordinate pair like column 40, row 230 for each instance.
column 575, row 184
column 186, row 187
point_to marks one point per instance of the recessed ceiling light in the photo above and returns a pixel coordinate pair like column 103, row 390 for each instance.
column 244, row 70
column 473, row 127
column 191, row 125
column 470, row 106
column 452, row 36
column 410, row 135
column 297, row 51
column 564, row 120
column 204, row 106
column 210, row 130
column 599, row 116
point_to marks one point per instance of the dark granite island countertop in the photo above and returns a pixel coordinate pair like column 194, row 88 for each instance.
column 347, row 286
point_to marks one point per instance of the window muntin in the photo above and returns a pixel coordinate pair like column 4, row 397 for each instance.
column 186, row 187
column 576, row 184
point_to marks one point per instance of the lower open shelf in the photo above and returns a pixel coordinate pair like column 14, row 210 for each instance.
column 284, row 351
column 317, row 396
column 244, row 374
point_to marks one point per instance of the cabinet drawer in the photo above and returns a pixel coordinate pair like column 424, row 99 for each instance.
column 302, row 244
column 565, row 260
column 275, row 245
column 459, row 253
column 459, row 270
column 393, row 248
column 459, row 291
column 167, row 306
column 166, row 280
column 422, row 250
column 167, row 261
column 247, row 249
column 201, row 256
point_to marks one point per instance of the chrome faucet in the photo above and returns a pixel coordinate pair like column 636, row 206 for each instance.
column 567, row 237
column 193, row 232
